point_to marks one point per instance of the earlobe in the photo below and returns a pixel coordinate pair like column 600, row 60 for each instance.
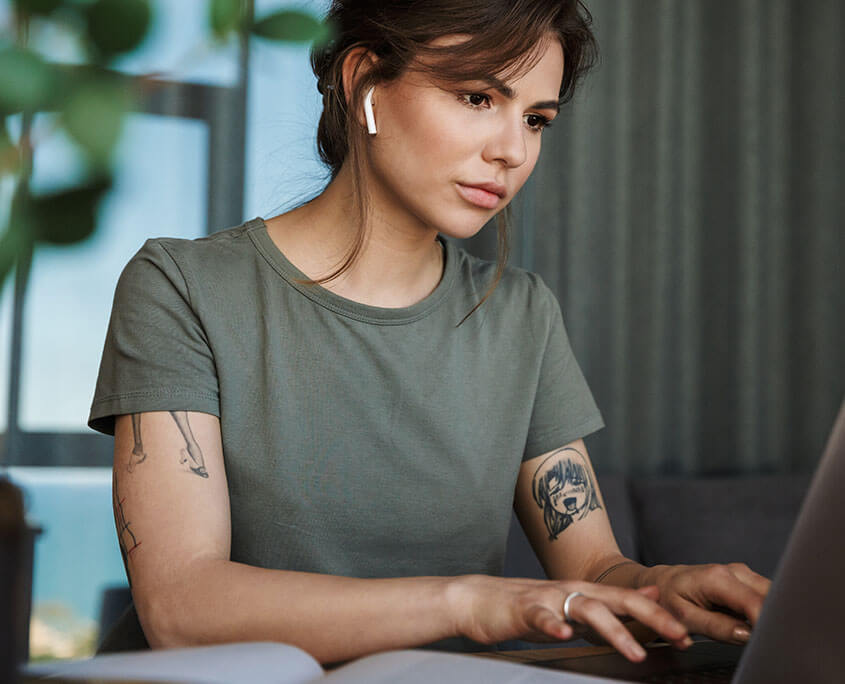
column 368, row 111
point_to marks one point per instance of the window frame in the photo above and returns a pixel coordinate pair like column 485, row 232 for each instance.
column 224, row 110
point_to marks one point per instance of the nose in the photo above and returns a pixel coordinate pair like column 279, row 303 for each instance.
column 507, row 144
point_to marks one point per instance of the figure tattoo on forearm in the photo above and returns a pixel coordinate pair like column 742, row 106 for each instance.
column 564, row 489
column 138, row 454
column 192, row 449
column 191, row 454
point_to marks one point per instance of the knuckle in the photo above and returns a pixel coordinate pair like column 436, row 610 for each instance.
column 630, row 603
column 681, row 611
column 720, row 572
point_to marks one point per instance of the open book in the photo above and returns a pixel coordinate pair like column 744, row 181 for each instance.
column 272, row 663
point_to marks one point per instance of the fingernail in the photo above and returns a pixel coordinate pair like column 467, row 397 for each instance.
column 687, row 642
column 636, row 650
column 741, row 634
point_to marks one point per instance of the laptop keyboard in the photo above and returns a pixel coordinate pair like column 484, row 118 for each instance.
column 722, row 673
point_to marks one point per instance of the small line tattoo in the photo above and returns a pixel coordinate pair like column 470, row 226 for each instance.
column 564, row 490
column 611, row 569
column 126, row 538
column 192, row 450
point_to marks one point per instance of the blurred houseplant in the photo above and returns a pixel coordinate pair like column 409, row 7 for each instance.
column 89, row 102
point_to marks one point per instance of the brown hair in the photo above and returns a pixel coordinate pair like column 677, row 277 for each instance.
column 503, row 37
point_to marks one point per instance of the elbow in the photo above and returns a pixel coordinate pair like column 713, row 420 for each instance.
column 165, row 621
column 174, row 614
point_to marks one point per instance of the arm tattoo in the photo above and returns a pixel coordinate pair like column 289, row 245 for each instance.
column 191, row 451
column 564, row 490
column 125, row 536
column 612, row 568
column 138, row 454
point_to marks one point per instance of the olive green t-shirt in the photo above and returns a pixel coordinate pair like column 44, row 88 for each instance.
column 357, row 440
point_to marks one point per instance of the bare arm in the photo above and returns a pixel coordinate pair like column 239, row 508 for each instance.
column 561, row 509
column 172, row 514
column 562, row 512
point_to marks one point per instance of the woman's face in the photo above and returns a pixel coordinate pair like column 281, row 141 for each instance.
column 436, row 141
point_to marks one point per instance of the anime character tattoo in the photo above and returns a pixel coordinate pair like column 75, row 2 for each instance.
column 564, row 489
column 191, row 454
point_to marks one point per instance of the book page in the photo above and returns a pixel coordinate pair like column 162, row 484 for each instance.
column 253, row 662
column 425, row 667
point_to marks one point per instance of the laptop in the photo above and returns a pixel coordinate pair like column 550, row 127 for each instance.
column 800, row 636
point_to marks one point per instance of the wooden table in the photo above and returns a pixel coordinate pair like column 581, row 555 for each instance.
column 535, row 654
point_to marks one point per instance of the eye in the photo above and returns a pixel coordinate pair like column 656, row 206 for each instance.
column 536, row 122
column 474, row 100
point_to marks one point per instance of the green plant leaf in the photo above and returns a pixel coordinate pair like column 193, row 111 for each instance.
column 290, row 26
column 9, row 155
column 26, row 80
column 67, row 216
column 93, row 115
column 116, row 26
column 225, row 16
column 37, row 6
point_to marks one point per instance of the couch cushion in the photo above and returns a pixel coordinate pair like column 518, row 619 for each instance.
column 719, row 520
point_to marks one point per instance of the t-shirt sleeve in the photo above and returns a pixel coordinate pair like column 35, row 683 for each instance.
column 564, row 409
column 156, row 355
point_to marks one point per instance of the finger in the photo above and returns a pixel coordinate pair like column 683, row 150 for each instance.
column 650, row 592
column 541, row 620
column 596, row 615
column 721, row 587
column 646, row 611
column 714, row 624
column 757, row 582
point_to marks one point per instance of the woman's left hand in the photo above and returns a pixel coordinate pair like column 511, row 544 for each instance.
column 718, row 601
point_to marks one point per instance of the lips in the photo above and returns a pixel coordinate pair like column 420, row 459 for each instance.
column 485, row 195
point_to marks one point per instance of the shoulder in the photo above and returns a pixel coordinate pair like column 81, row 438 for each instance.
column 518, row 294
column 221, row 245
column 184, row 261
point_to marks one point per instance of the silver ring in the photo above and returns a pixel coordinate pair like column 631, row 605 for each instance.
column 566, row 603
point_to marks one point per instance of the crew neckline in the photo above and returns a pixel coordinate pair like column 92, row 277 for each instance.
column 257, row 230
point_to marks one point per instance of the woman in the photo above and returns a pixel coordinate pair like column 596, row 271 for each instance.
column 321, row 420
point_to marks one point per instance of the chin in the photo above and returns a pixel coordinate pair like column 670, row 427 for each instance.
column 465, row 229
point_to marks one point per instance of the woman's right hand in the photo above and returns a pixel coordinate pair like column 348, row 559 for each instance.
column 493, row 609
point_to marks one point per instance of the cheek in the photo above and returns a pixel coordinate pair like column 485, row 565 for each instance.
column 429, row 131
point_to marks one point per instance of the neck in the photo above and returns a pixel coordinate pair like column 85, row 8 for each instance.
column 399, row 264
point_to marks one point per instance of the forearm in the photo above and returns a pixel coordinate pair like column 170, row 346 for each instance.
column 333, row 618
column 620, row 571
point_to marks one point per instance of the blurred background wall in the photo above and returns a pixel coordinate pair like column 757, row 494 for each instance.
column 686, row 209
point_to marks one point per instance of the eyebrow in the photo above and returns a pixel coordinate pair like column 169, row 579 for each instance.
column 510, row 93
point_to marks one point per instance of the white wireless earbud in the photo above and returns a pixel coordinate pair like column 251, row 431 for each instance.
column 368, row 111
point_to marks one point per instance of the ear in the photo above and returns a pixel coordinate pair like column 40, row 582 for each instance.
column 355, row 65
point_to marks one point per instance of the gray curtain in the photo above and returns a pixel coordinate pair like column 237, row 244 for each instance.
column 687, row 211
